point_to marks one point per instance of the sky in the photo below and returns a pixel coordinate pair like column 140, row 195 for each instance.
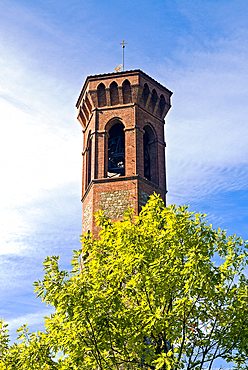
column 198, row 49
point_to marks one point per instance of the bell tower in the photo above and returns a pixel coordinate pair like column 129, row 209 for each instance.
column 122, row 115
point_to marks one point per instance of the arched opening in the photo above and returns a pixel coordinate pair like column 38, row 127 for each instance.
column 150, row 155
column 101, row 95
column 88, row 160
column 116, row 151
column 114, row 95
column 154, row 99
column 126, row 92
column 162, row 104
column 145, row 93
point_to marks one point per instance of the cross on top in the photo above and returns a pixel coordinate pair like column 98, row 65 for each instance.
column 123, row 44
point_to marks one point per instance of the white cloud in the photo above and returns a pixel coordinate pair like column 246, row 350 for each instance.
column 40, row 145
column 34, row 156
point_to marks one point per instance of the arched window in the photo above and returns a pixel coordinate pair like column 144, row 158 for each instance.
column 154, row 99
column 116, row 151
column 88, row 160
column 150, row 155
column 126, row 92
column 145, row 94
column 101, row 95
column 114, row 95
column 162, row 104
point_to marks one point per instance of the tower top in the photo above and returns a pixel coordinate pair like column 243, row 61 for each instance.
column 135, row 77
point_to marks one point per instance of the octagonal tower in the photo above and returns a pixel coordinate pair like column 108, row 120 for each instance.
column 122, row 115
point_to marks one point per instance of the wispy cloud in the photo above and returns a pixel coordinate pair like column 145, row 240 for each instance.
column 40, row 145
column 207, row 127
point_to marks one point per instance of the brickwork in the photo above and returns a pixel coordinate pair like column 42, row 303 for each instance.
column 106, row 100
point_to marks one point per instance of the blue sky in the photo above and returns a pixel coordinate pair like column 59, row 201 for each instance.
column 197, row 49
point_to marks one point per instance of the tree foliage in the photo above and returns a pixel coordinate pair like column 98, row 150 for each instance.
column 162, row 290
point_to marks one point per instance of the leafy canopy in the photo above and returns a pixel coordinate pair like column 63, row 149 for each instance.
column 162, row 290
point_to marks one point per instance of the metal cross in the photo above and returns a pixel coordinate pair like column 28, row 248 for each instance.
column 123, row 47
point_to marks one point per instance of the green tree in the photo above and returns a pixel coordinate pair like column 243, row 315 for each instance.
column 162, row 290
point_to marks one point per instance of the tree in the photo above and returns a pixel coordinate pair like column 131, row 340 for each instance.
column 162, row 290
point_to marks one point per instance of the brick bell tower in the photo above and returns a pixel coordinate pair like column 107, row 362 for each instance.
column 122, row 115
